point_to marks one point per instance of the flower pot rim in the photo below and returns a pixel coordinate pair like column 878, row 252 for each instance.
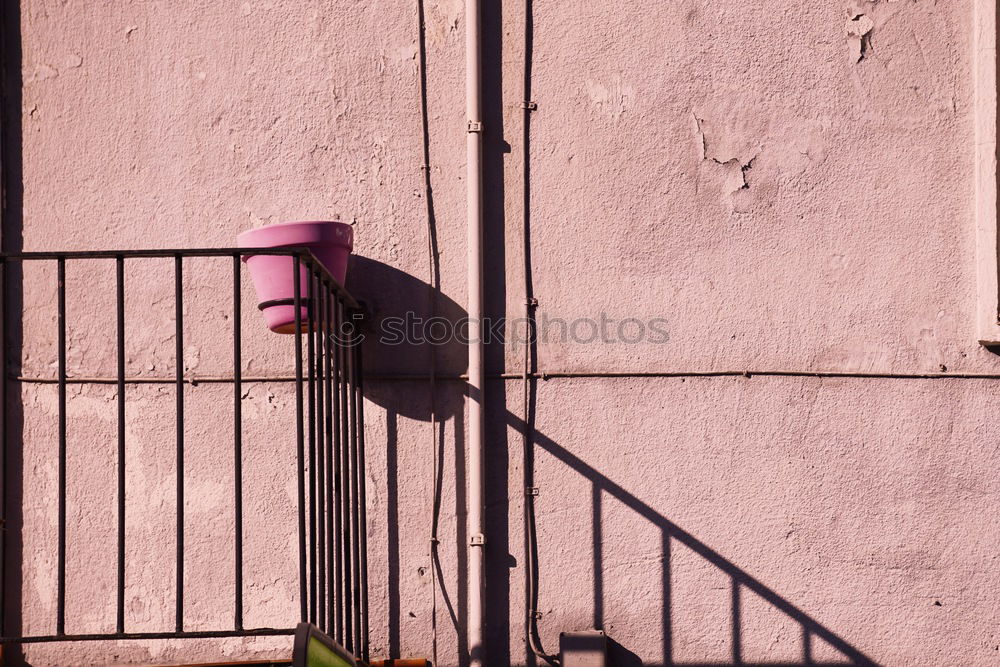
column 305, row 233
column 289, row 223
column 299, row 222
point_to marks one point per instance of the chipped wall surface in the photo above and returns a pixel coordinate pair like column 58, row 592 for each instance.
column 787, row 186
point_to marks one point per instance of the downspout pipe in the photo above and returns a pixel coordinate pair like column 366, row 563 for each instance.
column 476, row 395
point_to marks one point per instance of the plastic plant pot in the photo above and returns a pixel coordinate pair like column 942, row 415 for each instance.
column 273, row 275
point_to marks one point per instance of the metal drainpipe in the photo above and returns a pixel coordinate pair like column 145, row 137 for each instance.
column 476, row 397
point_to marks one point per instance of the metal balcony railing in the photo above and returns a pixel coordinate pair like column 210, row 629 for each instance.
column 328, row 436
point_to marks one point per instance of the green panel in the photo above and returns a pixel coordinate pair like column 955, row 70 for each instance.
column 319, row 655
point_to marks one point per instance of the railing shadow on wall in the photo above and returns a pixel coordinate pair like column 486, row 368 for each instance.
column 602, row 486
column 392, row 294
column 397, row 381
column 670, row 534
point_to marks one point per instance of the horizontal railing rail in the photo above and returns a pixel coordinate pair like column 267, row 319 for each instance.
column 328, row 436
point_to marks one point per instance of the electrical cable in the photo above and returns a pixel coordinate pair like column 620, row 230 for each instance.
column 434, row 287
column 528, row 377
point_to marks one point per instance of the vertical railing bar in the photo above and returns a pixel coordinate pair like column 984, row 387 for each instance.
column 329, row 347
column 338, row 482
column 317, row 322
column 61, row 566
column 300, row 436
column 179, row 363
column 120, row 298
column 362, row 499
column 355, row 495
column 237, row 444
column 311, row 373
column 347, row 598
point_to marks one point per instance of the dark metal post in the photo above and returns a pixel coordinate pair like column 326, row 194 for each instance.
column 61, row 305
column 337, row 463
column 318, row 302
column 329, row 347
column 120, row 298
column 300, row 437
column 355, row 495
column 311, row 371
column 345, row 480
column 237, row 445
column 179, row 382
column 362, row 498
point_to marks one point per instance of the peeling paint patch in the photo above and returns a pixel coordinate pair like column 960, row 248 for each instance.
column 735, row 167
column 406, row 53
column 702, row 143
column 744, row 168
column 44, row 73
column 859, row 29
column 736, row 173
column 613, row 100
column 908, row 42
column 442, row 20
column 192, row 357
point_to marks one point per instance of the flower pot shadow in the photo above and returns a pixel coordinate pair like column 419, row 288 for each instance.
column 410, row 328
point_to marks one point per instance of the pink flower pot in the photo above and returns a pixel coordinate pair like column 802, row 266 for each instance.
column 273, row 276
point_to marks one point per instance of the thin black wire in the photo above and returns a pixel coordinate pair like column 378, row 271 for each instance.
column 434, row 282
column 530, row 355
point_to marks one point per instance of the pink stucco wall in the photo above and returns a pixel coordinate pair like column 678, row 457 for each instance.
column 730, row 167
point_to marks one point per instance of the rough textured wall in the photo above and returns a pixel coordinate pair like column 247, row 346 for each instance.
column 788, row 185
